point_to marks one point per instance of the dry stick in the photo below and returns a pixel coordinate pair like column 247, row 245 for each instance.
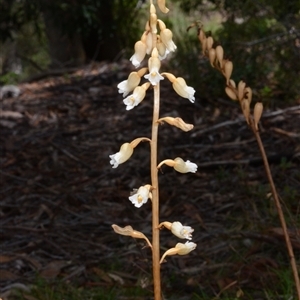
column 155, row 198
column 278, row 207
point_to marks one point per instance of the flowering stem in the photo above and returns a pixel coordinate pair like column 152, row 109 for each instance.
column 155, row 197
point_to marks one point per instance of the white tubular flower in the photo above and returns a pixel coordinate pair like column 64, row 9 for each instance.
column 134, row 78
column 125, row 152
column 161, row 48
column 123, row 155
column 166, row 36
column 154, row 65
column 183, row 232
column 179, row 165
column 137, row 97
column 186, row 248
column 180, row 249
column 141, row 196
column 140, row 49
column 180, row 87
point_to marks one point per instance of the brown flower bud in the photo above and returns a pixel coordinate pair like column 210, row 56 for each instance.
column 232, row 83
column 258, row 110
column 228, row 67
column 246, row 109
column 241, row 88
column 212, row 56
column 230, row 93
column 220, row 54
column 209, row 42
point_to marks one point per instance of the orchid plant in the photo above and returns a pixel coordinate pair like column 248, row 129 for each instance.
column 156, row 42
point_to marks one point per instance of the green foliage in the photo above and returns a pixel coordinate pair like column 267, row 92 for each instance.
column 260, row 37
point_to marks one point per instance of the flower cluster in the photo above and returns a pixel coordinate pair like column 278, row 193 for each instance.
column 157, row 42
column 158, row 46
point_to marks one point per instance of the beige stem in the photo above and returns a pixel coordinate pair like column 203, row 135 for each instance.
column 155, row 198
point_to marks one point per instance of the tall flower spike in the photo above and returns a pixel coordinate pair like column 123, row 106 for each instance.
column 183, row 232
column 181, row 87
column 179, row 165
column 137, row 97
column 180, row 249
column 134, row 78
column 154, row 65
column 140, row 49
column 141, row 196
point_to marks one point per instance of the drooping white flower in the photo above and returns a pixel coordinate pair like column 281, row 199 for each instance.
column 125, row 152
column 183, row 232
column 161, row 48
column 185, row 167
column 180, row 165
column 180, row 249
column 166, row 36
column 134, row 78
column 183, row 90
column 186, row 248
column 180, row 87
column 137, row 97
column 140, row 49
column 141, row 196
column 154, row 65
column 123, row 155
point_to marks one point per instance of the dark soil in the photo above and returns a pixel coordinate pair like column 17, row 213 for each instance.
column 60, row 196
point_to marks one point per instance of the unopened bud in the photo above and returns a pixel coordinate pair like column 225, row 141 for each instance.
column 228, row 67
column 230, row 93
column 153, row 22
column 241, row 88
column 220, row 54
column 212, row 56
column 209, row 42
column 246, row 109
column 258, row 110
column 232, row 83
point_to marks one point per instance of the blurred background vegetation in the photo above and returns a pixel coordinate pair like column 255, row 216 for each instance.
column 261, row 37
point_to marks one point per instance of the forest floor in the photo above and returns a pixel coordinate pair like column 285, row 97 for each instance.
column 60, row 195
